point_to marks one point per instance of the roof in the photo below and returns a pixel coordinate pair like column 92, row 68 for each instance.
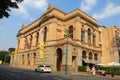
column 52, row 12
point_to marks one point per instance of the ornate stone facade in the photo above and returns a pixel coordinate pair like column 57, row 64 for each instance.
column 84, row 41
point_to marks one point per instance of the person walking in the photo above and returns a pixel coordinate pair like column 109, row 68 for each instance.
column 93, row 71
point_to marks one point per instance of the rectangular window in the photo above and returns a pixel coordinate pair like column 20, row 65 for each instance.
column 45, row 34
column 89, row 36
column 83, row 36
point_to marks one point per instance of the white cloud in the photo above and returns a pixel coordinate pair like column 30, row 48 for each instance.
column 110, row 10
column 21, row 11
column 30, row 4
column 37, row 4
column 87, row 4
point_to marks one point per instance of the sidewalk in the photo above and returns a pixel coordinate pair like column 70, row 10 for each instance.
column 107, row 76
column 115, row 76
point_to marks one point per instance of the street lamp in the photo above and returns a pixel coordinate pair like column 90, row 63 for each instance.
column 66, row 35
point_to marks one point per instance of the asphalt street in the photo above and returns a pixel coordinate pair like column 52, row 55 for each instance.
column 9, row 73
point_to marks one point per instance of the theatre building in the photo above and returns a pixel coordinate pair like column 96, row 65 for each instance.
column 59, row 39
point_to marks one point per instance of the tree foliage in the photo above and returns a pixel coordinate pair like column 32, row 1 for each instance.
column 6, row 6
column 2, row 55
column 11, row 50
column 7, row 60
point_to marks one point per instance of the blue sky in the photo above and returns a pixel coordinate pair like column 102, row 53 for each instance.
column 106, row 12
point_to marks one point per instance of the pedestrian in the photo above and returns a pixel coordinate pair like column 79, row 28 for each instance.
column 93, row 71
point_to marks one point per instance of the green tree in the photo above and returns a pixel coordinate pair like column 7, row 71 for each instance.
column 7, row 5
column 3, row 55
column 7, row 57
column 11, row 50
column 7, row 60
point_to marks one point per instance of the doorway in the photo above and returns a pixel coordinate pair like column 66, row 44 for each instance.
column 59, row 59
column 73, row 62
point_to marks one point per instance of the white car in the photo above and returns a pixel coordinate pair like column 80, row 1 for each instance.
column 43, row 68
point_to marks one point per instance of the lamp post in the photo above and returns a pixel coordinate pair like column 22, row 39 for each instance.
column 66, row 35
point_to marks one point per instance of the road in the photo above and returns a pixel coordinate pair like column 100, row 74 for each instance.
column 8, row 73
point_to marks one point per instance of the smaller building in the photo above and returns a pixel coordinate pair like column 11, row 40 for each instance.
column 110, row 44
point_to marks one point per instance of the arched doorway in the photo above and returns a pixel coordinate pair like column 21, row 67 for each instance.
column 84, row 56
column 59, row 59
column 74, row 63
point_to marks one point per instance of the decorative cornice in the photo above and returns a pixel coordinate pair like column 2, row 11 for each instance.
column 45, row 17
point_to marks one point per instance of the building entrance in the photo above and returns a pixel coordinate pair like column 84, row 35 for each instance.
column 59, row 59
column 74, row 62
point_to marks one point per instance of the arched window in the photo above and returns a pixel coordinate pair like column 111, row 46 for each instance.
column 28, row 59
column 34, row 58
column 22, row 59
column 84, row 55
column 45, row 34
column 34, row 55
column 37, row 38
column 26, row 43
column 82, row 36
column 71, row 31
column 90, row 56
column 95, row 57
column 94, row 40
column 100, row 36
column 89, row 36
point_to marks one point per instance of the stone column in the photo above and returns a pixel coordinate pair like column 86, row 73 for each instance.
column 79, row 57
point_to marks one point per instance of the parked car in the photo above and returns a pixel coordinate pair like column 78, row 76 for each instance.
column 101, row 72
column 43, row 68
